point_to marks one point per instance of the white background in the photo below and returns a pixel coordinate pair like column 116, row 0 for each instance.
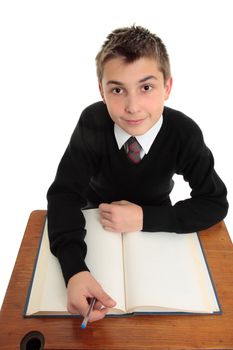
column 47, row 76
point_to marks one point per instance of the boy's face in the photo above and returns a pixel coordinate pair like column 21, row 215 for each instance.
column 134, row 93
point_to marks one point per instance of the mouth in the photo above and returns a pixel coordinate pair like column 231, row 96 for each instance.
column 134, row 122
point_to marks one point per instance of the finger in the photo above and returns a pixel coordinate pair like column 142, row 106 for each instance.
column 106, row 215
column 97, row 315
column 105, row 222
column 109, row 226
column 105, row 208
column 122, row 202
column 104, row 298
column 98, row 306
column 110, row 229
column 81, row 308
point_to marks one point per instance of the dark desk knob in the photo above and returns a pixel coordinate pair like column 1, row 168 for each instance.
column 32, row 341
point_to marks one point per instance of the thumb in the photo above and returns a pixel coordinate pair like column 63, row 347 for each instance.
column 104, row 298
column 122, row 202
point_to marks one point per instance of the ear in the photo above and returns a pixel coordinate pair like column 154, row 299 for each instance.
column 101, row 91
column 168, row 87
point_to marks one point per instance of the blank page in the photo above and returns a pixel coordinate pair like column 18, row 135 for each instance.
column 105, row 257
column 167, row 270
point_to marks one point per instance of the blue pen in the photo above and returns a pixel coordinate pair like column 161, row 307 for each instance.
column 86, row 318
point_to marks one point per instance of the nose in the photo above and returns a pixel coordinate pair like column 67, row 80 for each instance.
column 132, row 104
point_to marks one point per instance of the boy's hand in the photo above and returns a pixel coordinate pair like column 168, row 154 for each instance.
column 83, row 286
column 121, row 216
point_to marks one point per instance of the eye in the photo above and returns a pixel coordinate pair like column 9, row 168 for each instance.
column 147, row 88
column 117, row 91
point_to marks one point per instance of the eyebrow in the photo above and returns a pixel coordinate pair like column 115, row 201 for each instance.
column 143, row 80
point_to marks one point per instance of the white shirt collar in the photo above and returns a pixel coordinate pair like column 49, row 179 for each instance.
column 145, row 140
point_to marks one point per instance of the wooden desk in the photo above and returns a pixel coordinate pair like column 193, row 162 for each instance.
column 139, row 332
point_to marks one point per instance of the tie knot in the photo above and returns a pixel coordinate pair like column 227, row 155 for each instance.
column 131, row 140
column 133, row 149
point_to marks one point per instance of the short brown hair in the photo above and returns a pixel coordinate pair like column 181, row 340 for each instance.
column 133, row 43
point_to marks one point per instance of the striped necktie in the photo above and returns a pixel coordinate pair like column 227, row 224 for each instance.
column 133, row 150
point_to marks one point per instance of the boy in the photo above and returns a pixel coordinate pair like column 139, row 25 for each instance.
column 129, row 182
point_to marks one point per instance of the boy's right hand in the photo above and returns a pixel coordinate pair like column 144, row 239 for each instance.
column 83, row 286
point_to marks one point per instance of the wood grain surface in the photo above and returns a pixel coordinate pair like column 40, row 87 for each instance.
column 138, row 332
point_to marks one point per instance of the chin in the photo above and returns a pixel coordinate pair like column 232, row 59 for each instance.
column 136, row 132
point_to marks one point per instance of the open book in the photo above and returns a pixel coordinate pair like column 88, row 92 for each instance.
column 148, row 272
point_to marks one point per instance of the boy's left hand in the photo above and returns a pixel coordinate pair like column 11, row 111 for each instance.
column 121, row 216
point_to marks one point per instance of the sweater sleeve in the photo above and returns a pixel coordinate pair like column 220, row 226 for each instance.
column 207, row 205
column 66, row 197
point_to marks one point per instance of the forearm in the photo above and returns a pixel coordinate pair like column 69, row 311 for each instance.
column 199, row 212
column 66, row 235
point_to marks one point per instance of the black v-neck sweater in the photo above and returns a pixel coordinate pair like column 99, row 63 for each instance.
column 93, row 170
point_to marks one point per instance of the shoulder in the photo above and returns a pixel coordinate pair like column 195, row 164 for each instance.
column 96, row 116
column 179, row 123
column 179, row 120
column 92, row 127
column 187, row 135
column 97, row 107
